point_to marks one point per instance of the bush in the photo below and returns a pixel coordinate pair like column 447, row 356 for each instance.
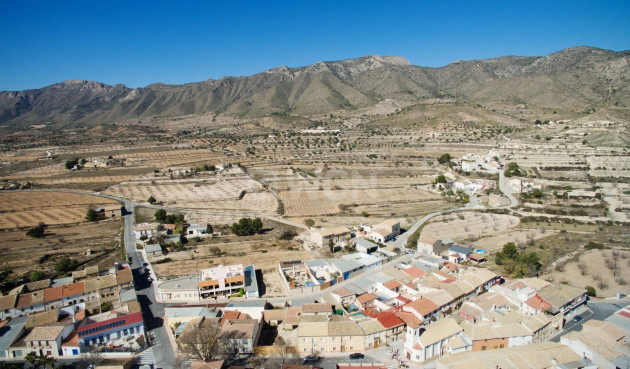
column 440, row 179
column 365, row 214
column 151, row 200
column 162, row 261
column 445, row 158
column 91, row 215
column 71, row 163
column 309, row 222
column 66, row 265
column 37, row 232
column 37, row 275
column 288, row 235
column 160, row 216
column 247, row 227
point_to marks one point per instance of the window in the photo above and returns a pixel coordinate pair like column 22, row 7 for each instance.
column 483, row 348
column 75, row 351
column 305, row 347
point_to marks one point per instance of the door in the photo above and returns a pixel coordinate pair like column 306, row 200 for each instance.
column 375, row 343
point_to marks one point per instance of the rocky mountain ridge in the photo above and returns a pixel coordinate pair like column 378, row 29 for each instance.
column 577, row 77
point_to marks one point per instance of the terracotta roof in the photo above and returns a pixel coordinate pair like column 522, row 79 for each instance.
column 24, row 301
column 72, row 340
column 538, row 303
column 409, row 319
column 124, row 276
column 73, row 289
column 209, row 283
column 229, row 315
column 392, row 284
column 7, row 302
column 365, row 298
column 238, row 278
column 414, row 272
column 240, row 328
column 389, row 320
column 423, row 306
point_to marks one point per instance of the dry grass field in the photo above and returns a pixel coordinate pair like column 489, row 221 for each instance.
column 313, row 203
column 608, row 272
column 23, row 254
column 26, row 209
column 467, row 225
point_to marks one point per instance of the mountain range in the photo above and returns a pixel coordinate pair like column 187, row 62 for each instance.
column 578, row 77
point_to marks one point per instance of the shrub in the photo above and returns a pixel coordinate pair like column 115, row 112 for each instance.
column 309, row 222
column 66, row 265
column 37, row 275
column 288, row 235
column 91, row 215
column 151, row 200
column 37, row 232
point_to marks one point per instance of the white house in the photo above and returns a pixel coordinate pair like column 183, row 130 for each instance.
column 196, row 230
column 442, row 337
column 145, row 229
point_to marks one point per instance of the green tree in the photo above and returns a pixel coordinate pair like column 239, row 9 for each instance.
column 66, row 265
column 91, row 215
column 445, row 158
column 590, row 290
column 31, row 359
column 160, row 216
column 309, row 222
column 512, row 169
column 47, row 361
column 257, row 225
column 440, row 179
column 510, row 250
column 71, row 163
column 209, row 229
column 37, row 275
column 365, row 214
column 151, row 200
column 38, row 231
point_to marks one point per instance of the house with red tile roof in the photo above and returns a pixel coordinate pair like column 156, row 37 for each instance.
column 535, row 305
column 414, row 272
column 422, row 308
column 366, row 300
column 394, row 325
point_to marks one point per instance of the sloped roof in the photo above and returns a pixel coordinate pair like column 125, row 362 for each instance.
column 344, row 328
column 365, row 298
column 371, row 326
column 343, row 292
column 392, row 284
column 73, row 289
column 316, row 308
column 313, row 329
column 7, row 302
column 389, row 320
column 44, row 333
column 561, row 294
column 124, row 276
column 423, row 306
column 538, row 303
column 409, row 319
column 439, row 330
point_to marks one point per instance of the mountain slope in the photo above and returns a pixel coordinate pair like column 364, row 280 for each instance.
column 575, row 77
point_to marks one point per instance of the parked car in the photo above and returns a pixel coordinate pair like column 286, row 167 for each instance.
column 357, row 355
column 577, row 318
column 149, row 279
column 311, row 359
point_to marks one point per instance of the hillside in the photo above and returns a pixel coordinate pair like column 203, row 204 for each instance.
column 577, row 77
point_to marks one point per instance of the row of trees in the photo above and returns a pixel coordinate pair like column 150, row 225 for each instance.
column 247, row 227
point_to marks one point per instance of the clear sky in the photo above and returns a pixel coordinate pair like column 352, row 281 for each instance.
column 141, row 42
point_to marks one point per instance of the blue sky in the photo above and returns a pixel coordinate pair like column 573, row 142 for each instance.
column 141, row 42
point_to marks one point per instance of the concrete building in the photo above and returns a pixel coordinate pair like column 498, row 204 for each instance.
column 368, row 261
column 442, row 337
column 221, row 281
column 385, row 231
column 323, row 237
column 196, row 230
column 153, row 250
column 179, row 289
column 431, row 246
column 146, row 229
column 365, row 246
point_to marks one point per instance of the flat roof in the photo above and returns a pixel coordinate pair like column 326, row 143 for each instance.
column 183, row 283
column 247, row 304
column 251, row 282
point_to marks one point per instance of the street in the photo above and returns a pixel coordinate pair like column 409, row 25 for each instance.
column 599, row 310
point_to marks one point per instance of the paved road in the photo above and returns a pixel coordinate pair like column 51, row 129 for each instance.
column 152, row 311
